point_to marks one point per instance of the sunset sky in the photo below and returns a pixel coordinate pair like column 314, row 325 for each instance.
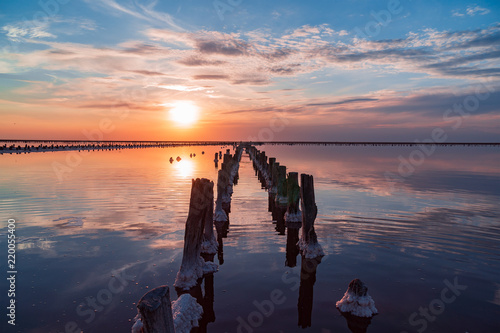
column 249, row 70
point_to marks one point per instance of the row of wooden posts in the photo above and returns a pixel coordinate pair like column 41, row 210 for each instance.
column 284, row 193
column 200, row 247
column 284, row 196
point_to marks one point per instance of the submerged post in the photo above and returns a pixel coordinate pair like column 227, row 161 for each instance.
column 308, row 243
column 156, row 311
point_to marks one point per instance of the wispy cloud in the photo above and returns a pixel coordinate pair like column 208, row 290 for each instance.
column 50, row 28
column 20, row 30
column 143, row 12
column 471, row 10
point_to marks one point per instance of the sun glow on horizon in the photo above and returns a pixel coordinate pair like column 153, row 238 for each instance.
column 184, row 113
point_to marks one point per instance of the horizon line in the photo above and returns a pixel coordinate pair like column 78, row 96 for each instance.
column 227, row 142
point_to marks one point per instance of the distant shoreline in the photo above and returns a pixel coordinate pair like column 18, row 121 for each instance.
column 41, row 146
column 3, row 142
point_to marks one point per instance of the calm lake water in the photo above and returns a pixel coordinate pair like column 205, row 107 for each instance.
column 115, row 222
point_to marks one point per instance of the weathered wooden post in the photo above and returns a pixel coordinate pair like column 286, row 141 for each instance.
column 236, row 165
column 227, row 158
column 156, row 311
column 269, row 171
column 281, row 187
column 192, row 265
column 273, row 188
column 293, row 216
column 263, row 169
column 209, row 243
column 293, row 219
column 281, row 199
column 308, row 243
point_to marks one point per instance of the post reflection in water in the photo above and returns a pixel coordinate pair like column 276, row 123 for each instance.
column 307, row 280
column 204, row 297
column 222, row 229
column 356, row 324
column 292, row 249
column 207, row 302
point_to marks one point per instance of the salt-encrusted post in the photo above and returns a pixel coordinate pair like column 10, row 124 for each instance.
column 156, row 311
column 308, row 243
column 357, row 301
column 199, row 206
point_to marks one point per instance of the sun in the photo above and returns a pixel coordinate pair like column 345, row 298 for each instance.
column 184, row 113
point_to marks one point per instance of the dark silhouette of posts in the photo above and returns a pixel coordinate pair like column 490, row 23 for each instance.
column 156, row 311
